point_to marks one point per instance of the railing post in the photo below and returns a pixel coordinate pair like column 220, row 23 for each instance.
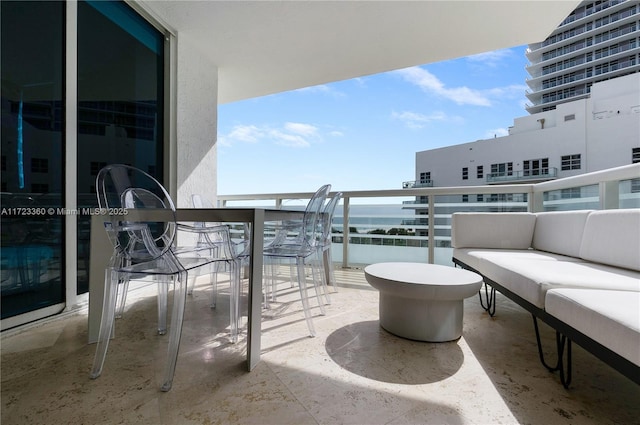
column 431, row 199
column 609, row 195
column 345, row 232
column 536, row 201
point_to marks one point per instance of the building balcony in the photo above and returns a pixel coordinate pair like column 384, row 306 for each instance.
column 353, row 371
column 415, row 184
column 540, row 175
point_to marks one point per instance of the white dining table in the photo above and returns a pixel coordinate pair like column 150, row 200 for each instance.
column 101, row 250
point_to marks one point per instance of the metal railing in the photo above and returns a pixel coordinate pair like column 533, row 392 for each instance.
column 414, row 224
column 513, row 176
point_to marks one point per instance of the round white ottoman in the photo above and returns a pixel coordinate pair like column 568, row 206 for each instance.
column 422, row 301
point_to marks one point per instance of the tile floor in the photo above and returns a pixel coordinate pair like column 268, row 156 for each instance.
column 353, row 372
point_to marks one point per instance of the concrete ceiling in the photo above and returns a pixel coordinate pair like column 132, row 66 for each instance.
column 264, row 47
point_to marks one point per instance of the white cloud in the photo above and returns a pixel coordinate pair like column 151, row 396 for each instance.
column 246, row 133
column 431, row 84
column 336, row 133
column 302, row 129
column 417, row 120
column 287, row 139
column 292, row 134
column 241, row 133
column 490, row 59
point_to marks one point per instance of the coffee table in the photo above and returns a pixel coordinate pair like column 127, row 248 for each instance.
column 422, row 301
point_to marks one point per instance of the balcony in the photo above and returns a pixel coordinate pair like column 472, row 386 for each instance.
column 353, row 371
column 414, row 184
column 539, row 175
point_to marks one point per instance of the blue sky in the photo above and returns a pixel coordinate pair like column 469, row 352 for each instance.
column 363, row 134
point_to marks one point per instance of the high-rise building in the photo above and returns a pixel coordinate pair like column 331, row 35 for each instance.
column 598, row 41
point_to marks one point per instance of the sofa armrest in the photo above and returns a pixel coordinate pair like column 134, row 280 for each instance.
column 492, row 230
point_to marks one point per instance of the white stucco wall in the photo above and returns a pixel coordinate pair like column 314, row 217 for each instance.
column 605, row 129
column 197, row 123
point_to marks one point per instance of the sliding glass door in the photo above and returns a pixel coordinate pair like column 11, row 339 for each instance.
column 32, row 156
column 120, row 90
column 120, row 102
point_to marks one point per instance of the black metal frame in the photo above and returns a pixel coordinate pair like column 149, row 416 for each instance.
column 565, row 334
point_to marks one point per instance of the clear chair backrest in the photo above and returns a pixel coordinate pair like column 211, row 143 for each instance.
column 327, row 216
column 222, row 238
column 310, row 224
column 122, row 192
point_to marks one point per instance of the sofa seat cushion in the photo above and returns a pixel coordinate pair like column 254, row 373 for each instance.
column 472, row 256
column 609, row 317
column 532, row 278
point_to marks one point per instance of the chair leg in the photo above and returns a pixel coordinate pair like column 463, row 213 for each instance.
column 234, row 299
column 302, row 285
column 214, row 284
column 328, row 260
column 325, row 275
column 106, row 321
column 121, row 298
column 162, row 304
column 123, row 289
column 177, row 317
column 321, row 275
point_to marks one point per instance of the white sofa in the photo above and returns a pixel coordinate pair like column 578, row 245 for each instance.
column 578, row 271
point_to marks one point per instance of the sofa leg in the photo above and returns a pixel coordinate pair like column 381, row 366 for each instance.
column 565, row 374
column 558, row 365
column 490, row 297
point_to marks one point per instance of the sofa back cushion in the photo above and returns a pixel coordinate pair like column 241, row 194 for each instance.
column 613, row 237
column 492, row 230
column 560, row 232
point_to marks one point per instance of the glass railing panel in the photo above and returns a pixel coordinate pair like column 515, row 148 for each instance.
column 383, row 229
column 573, row 198
column 629, row 191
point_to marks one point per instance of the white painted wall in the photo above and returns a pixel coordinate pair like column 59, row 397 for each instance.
column 197, row 120
column 603, row 136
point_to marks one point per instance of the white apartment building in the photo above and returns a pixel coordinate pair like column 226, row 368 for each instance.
column 599, row 40
column 585, row 107
column 590, row 134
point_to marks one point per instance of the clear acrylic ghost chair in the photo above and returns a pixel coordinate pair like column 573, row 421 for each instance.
column 325, row 260
column 302, row 252
column 216, row 239
column 143, row 247
column 213, row 241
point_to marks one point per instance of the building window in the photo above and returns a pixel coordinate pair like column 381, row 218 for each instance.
column 535, row 167
column 480, row 198
column 480, row 172
column 635, row 185
column 96, row 167
column 502, row 169
column 425, row 177
column 39, row 165
column 570, row 162
column 465, row 198
column 635, row 156
column 465, row 173
column 4, row 163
